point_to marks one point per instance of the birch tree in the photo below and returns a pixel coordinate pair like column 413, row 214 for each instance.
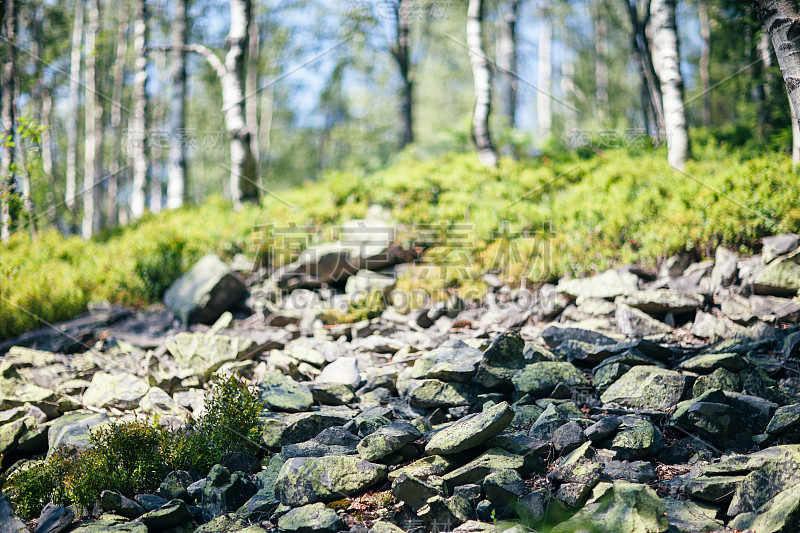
column 482, row 79
column 507, row 63
column 8, row 115
column 705, row 60
column 401, row 52
column 74, row 102
column 176, row 169
column 650, row 85
column 93, row 128
column 137, row 147
column 116, row 113
column 544, row 70
column 781, row 19
column 665, row 41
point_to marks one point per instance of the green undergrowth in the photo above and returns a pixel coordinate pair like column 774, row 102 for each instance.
column 134, row 457
column 561, row 213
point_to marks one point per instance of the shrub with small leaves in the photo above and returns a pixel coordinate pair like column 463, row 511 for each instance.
column 230, row 420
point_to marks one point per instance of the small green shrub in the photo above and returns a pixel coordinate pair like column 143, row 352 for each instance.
column 133, row 457
column 368, row 306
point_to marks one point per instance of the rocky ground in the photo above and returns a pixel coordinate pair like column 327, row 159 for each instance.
column 630, row 402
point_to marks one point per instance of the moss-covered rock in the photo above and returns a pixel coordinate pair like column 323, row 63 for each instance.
column 434, row 465
column 501, row 360
column 539, row 379
column 282, row 393
column 718, row 379
column 647, row 387
column 305, row 480
column 310, row 519
column 432, row 393
column 705, row 363
column 386, row 440
column 471, row 431
column 620, row 507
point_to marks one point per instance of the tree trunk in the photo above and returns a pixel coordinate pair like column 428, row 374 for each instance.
column 568, row 87
column 601, row 65
column 137, row 132
column 159, row 158
column 251, row 90
column 176, row 184
column 8, row 116
column 74, row 105
column 705, row 60
column 116, row 115
column 650, row 84
column 93, row 126
column 507, row 64
column 482, row 78
column 401, row 52
column 665, row 40
column 782, row 20
column 244, row 186
column 544, row 112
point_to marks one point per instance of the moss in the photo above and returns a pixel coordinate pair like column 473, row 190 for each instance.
column 133, row 457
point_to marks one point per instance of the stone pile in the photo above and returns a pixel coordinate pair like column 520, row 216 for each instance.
column 630, row 402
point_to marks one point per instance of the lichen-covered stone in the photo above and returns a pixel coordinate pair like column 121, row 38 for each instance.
column 72, row 430
column 415, row 492
column 223, row 492
column 434, row 465
column 477, row 470
column 329, row 393
column 647, row 387
column 174, row 514
column 686, row 516
column 620, row 507
column 709, row 362
column 471, row 431
column 539, row 379
column 634, row 439
column 386, row 440
column 454, row 360
column 282, row 393
column 311, row 519
column 501, row 360
column 305, row 480
column 432, row 393
column 122, row 391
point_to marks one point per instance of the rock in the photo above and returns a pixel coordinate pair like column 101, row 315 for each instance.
column 72, row 430
column 230, row 523
column 386, row 527
column 476, row 470
column 200, row 354
column 785, row 418
column 779, row 278
column 539, row 379
column 532, row 507
column 158, row 402
column 633, row 471
column 634, row 439
column 718, row 379
column 367, row 281
column 778, row 474
column 175, row 484
column 305, row 480
column 577, row 467
column 447, row 512
column 712, row 327
column 386, row 440
column 223, row 492
column 686, row 516
column 113, row 523
column 635, row 323
column 471, row 431
column 454, row 360
column 555, row 334
column 501, row 360
column 282, row 393
column 726, row 265
column 777, row 245
column 715, row 489
column 503, row 488
column 415, row 492
column 432, row 393
column 662, row 301
column 311, row 519
column 9, row 522
column 619, row 507
column 206, row 291
column 151, row 502
column 553, row 417
column 609, row 284
column 343, row 370
column 470, row 492
column 602, row 428
column 119, row 504
column 568, row 437
column 301, row 427
column 53, row 519
column 647, row 387
column 434, row 465
column 329, row 393
column 709, row 362
column 120, row 391
column 175, row 513
column 337, row 436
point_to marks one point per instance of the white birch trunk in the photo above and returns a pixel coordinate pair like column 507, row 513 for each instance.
column 482, row 78
column 667, row 60
column 544, row 112
column 177, row 151
column 74, row 102
column 93, row 117
column 137, row 132
column 116, row 116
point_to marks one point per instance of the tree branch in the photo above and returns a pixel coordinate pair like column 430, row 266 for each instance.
column 212, row 58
